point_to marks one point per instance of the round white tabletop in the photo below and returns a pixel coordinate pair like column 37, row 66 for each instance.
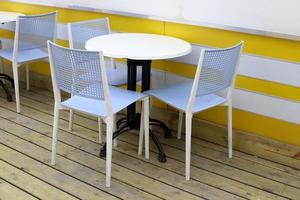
column 9, row 16
column 139, row 46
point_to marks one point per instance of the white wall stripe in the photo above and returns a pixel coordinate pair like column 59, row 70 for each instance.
column 270, row 69
column 259, row 67
column 266, row 105
column 184, row 9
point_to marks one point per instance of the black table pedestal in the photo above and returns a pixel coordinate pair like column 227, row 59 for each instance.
column 4, row 86
column 132, row 121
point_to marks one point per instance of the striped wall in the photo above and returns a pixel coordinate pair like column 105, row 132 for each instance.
column 267, row 88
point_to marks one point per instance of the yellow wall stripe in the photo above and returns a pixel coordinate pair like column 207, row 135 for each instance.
column 7, row 34
column 258, row 124
column 255, row 44
column 269, row 88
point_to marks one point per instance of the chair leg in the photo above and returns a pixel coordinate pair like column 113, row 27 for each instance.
column 115, row 141
column 100, row 130
column 188, row 135
column 109, row 137
column 179, row 125
column 54, row 134
column 146, row 125
column 141, row 135
column 229, row 137
column 71, row 117
column 16, row 83
column 27, row 77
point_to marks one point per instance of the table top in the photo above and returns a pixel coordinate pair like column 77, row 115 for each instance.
column 139, row 46
column 9, row 16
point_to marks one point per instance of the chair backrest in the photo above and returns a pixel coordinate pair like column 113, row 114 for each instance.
column 80, row 32
column 34, row 32
column 217, row 69
column 78, row 72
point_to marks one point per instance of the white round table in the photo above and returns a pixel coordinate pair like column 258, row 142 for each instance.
column 9, row 16
column 6, row 17
column 139, row 46
column 139, row 49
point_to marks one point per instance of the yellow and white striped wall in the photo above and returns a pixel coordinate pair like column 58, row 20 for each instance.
column 267, row 95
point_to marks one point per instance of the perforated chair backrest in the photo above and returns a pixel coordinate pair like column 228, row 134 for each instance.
column 81, row 32
column 216, row 72
column 77, row 72
column 218, row 68
column 34, row 31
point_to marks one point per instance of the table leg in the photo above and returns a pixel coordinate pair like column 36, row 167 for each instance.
column 131, row 85
column 146, row 84
column 8, row 95
column 5, row 77
column 146, row 75
column 133, row 119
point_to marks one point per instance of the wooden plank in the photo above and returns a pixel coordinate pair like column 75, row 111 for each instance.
column 165, row 191
column 270, row 166
column 30, row 184
column 254, row 145
column 251, row 167
column 224, row 170
column 239, row 188
column 70, row 176
column 229, row 172
column 256, row 168
column 11, row 192
column 94, row 133
column 245, row 142
column 268, row 149
column 198, row 160
column 245, row 156
column 53, row 177
column 220, row 182
column 202, row 175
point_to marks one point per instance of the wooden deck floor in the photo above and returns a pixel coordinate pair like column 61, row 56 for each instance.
column 26, row 173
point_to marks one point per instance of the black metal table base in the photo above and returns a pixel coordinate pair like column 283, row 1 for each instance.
column 4, row 86
column 152, row 122
column 124, row 125
column 132, row 121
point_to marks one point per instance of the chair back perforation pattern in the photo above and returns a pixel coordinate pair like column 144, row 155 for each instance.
column 83, row 31
column 35, row 31
column 218, row 69
column 77, row 72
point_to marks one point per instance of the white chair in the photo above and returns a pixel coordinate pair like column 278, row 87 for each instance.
column 30, row 44
column 83, row 75
column 79, row 33
column 212, row 86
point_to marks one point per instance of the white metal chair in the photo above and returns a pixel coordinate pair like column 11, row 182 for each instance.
column 212, row 86
column 30, row 44
column 83, row 75
column 79, row 33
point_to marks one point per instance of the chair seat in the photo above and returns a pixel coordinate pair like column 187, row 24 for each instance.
column 118, row 76
column 25, row 55
column 120, row 99
column 177, row 95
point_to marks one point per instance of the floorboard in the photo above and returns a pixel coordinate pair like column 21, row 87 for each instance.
column 80, row 174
